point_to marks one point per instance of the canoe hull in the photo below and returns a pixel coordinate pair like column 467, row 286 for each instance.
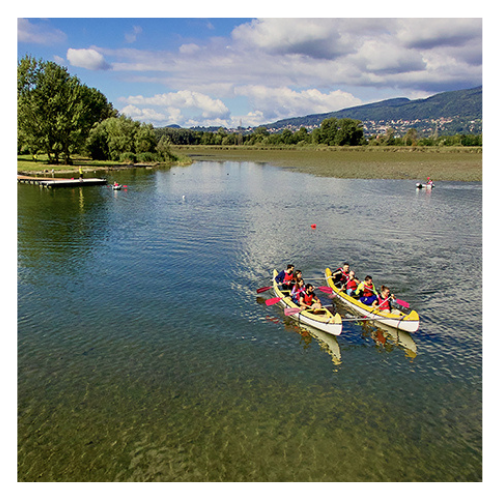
column 400, row 321
column 327, row 322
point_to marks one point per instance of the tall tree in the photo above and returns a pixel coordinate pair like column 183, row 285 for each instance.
column 55, row 111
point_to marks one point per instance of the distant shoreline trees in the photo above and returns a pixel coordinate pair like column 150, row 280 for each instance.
column 331, row 133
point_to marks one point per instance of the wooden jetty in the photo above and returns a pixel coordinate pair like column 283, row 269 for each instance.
column 51, row 182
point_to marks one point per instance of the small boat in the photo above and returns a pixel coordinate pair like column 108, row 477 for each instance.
column 396, row 319
column 116, row 186
column 323, row 320
column 421, row 185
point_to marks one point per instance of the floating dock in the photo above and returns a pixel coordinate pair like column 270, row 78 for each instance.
column 51, row 182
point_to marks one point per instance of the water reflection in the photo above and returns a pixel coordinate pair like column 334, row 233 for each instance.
column 387, row 338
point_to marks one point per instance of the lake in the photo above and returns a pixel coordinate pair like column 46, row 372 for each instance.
column 145, row 354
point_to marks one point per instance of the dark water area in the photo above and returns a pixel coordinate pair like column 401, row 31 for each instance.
column 145, row 354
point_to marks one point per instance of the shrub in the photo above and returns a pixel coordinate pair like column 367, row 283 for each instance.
column 127, row 158
column 146, row 157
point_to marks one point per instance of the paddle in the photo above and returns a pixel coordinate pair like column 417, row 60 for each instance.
column 264, row 289
column 292, row 310
column 275, row 300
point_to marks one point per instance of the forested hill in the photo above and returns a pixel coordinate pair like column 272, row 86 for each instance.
column 458, row 111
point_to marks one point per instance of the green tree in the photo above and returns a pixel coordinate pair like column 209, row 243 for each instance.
column 145, row 140
column 55, row 111
column 411, row 137
column 163, row 148
column 343, row 132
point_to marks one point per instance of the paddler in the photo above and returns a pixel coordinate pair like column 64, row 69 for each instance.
column 366, row 291
column 383, row 302
column 341, row 275
column 308, row 299
column 285, row 277
column 352, row 283
column 298, row 288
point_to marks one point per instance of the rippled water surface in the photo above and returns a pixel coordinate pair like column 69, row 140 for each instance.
column 144, row 353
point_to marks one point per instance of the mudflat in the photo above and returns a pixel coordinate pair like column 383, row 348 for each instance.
column 452, row 164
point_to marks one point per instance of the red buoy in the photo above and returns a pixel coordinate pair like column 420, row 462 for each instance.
column 313, row 226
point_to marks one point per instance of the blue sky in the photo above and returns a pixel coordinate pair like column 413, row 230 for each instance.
column 250, row 71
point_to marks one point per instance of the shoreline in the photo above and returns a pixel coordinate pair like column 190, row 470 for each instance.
column 441, row 164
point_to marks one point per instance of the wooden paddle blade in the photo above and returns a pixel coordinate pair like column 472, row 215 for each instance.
column 264, row 289
column 274, row 300
column 324, row 289
column 292, row 310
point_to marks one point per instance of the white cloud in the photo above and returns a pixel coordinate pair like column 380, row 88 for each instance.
column 181, row 107
column 277, row 103
column 189, row 48
column 312, row 37
column 131, row 37
column 433, row 33
column 294, row 67
column 209, row 108
column 41, row 33
column 87, row 58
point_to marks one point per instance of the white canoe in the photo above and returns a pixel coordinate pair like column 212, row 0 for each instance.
column 396, row 319
column 324, row 321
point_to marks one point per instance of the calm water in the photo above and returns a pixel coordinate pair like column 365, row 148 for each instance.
column 144, row 353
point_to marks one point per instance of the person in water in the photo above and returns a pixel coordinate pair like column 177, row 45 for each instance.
column 341, row 275
column 352, row 284
column 308, row 299
column 285, row 277
column 366, row 291
column 383, row 302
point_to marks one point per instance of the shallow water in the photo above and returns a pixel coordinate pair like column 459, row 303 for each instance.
column 144, row 353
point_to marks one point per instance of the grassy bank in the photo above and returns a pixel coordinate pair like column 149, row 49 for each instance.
column 457, row 164
column 454, row 164
column 28, row 165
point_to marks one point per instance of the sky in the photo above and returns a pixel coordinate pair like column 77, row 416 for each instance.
column 249, row 71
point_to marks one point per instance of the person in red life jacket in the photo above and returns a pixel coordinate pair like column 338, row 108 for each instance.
column 383, row 302
column 352, row 283
column 366, row 291
column 308, row 299
column 341, row 275
column 298, row 288
column 285, row 277
column 297, row 276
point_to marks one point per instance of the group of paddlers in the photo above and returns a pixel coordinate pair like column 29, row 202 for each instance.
column 344, row 279
column 303, row 295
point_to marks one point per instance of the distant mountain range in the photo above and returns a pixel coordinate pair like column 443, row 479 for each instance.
column 447, row 113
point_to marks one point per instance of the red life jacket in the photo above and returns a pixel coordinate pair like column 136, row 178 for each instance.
column 308, row 299
column 343, row 277
column 368, row 290
column 383, row 304
column 351, row 285
column 288, row 278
